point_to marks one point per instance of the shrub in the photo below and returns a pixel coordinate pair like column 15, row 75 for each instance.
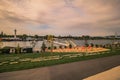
column 43, row 47
column 60, row 47
column 49, row 48
column 55, row 47
column 96, row 45
column 65, row 47
column 5, row 50
column 86, row 45
column 70, row 46
column 28, row 50
column 92, row 45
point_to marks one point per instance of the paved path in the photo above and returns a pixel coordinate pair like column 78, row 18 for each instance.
column 70, row 71
column 112, row 74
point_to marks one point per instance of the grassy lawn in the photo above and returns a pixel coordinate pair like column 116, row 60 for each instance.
column 8, row 57
column 63, row 58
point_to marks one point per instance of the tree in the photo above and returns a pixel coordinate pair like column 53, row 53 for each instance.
column 49, row 48
column 50, row 40
column 102, row 45
column 55, row 47
column 1, row 35
column 24, row 37
column 96, row 45
column 43, row 47
column 86, row 45
column 65, row 47
column 36, row 36
column 60, row 47
column 92, row 45
column 18, row 50
column 70, row 46
column 86, row 39
column 1, row 43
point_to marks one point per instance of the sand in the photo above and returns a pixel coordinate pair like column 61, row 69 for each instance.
column 82, row 49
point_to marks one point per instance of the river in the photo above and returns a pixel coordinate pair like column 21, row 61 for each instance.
column 39, row 43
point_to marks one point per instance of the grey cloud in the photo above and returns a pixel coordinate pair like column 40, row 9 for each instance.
column 98, row 15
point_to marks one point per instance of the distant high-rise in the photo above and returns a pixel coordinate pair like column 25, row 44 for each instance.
column 15, row 32
column 116, row 35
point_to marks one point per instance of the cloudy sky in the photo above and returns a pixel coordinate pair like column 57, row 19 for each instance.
column 60, row 17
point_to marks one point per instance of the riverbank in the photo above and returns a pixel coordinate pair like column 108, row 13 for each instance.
column 71, row 71
column 14, row 62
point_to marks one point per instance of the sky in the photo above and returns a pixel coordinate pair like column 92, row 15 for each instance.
column 60, row 17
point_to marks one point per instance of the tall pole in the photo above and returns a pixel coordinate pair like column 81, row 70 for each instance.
column 15, row 31
column 1, row 43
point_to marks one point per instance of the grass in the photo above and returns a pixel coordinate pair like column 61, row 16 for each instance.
column 29, row 65
column 7, row 57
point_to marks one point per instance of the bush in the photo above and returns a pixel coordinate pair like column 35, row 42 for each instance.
column 49, row 48
column 96, row 46
column 103, row 46
column 92, row 45
column 28, row 50
column 5, row 50
column 65, row 47
column 60, row 47
column 17, row 50
column 55, row 47
column 0, row 50
column 43, row 48
column 86, row 45
column 70, row 46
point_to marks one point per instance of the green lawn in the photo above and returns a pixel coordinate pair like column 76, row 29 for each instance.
column 64, row 58
column 7, row 57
